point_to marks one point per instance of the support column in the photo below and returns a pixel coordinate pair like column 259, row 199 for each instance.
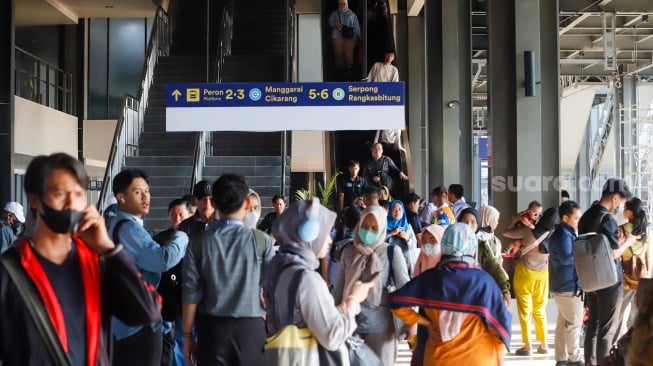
column 550, row 91
column 415, row 84
column 448, row 88
column 7, row 44
column 523, row 130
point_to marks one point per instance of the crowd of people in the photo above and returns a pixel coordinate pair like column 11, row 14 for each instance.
column 213, row 289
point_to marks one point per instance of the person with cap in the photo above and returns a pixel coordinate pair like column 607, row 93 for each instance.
column 368, row 255
column 205, row 213
column 222, row 276
column 141, row 345
column 303, row 234
column 10, row 222
column 604, row 305
column 470, row 327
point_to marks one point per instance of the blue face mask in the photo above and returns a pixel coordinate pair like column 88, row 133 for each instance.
column 368, row 237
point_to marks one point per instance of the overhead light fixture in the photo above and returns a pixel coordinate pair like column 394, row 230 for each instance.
column 108, row 6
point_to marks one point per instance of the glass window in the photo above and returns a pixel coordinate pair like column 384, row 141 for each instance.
column 126, row 57
column 97, row 69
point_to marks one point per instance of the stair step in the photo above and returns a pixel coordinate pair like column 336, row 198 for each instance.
column 165, row 171
column 244, row 160
column 175, row 192
column 170, row 181
column 164, row 151
column 158, row 160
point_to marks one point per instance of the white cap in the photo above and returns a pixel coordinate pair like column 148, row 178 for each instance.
column 16, row 209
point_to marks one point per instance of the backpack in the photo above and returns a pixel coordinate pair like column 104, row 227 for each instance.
column 595, row 264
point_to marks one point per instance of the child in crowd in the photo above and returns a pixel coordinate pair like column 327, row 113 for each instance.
column 527, row 218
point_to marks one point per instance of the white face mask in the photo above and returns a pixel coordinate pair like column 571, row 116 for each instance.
column 251, row 219
column 431, row 249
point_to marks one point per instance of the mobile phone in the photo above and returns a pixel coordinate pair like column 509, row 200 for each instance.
column 374, row 276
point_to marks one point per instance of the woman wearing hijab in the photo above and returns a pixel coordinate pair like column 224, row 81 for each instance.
column 313, row 303
column 485, row 256
column 369, row 255
column 345, row 30
column 401, row 234
column 489, row 222
column 470, row 327
column 431, row 250
column 254, row 212
column 531, row 278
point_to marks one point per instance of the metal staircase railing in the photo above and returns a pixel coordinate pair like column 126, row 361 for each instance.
column 600, row 139
column 130, row 121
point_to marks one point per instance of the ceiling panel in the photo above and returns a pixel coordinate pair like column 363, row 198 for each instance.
column 50, row 12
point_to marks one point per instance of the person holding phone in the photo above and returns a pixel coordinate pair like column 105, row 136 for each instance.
column 379, row 168
column 77, row 276
column 368, row 255
column 345, row 31
column 314, row 307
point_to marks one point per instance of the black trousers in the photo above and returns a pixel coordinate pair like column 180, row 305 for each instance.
column 223, row 341
column 142, row 348
column 603, row 308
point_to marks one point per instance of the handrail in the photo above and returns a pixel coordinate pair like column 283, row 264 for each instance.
column 130, row 121
column 407, row 162
column 31, row 84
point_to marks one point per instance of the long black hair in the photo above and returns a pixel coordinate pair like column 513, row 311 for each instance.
column 548, row 221
column 640, row 219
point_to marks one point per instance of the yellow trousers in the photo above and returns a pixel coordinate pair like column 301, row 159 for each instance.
column 532, row 292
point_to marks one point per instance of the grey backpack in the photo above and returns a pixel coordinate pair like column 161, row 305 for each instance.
column 595, row 264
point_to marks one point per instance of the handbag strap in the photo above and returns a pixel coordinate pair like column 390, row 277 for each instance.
column 292, row 292
column 537, row 242
column 37, row 310
column 391, row 256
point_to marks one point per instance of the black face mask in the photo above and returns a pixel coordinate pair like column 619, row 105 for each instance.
column 61, row 221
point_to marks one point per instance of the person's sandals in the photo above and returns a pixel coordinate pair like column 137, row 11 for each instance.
column 523, row 352
column 542, row 351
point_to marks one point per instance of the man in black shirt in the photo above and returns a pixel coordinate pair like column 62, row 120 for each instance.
column 412, row 208
column 350, row 187
column 378, row 170
column 604, row 305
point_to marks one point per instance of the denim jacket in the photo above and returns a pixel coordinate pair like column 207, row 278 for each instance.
column 150, row 258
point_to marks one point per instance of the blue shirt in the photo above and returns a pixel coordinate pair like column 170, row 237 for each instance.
column 347, row 18
column 151, row 258
column 562, row 268
column 6, row 236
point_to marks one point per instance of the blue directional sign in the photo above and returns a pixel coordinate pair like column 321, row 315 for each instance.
column 285, row 106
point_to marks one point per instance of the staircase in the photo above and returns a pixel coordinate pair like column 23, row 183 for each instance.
column 167, row 157
column 257, row 54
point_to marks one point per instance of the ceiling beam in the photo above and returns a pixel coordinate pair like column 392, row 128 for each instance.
column 641, row 68
column 63, row 9
column 574, row 23
column 414, row 7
